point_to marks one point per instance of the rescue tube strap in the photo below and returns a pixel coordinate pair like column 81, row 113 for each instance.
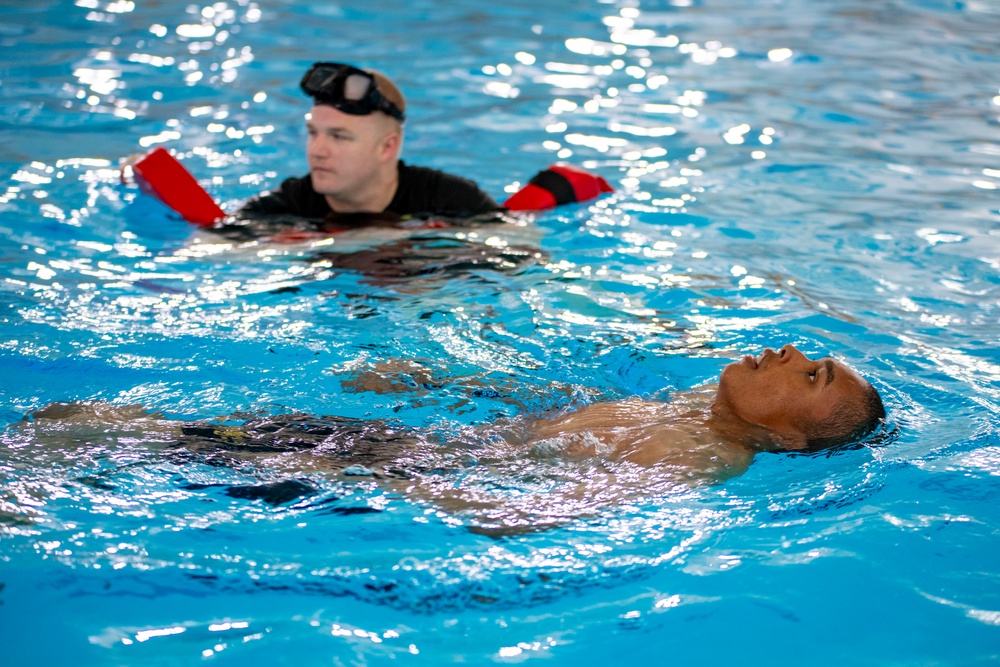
column 556, row 184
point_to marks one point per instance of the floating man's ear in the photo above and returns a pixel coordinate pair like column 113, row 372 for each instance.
column 774, row 441
column 557, row 185
column 788, row 442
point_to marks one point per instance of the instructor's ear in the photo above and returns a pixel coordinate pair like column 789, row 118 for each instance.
column 391, row 143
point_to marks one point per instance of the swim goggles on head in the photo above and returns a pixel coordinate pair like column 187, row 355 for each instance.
column 348, row 89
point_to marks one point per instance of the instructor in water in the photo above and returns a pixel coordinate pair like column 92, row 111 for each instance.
column 356, row 178
column 355, row 138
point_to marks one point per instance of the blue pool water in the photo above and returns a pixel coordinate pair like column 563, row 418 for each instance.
column 821, row 173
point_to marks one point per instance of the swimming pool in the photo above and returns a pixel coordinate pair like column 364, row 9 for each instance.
column 821, row 173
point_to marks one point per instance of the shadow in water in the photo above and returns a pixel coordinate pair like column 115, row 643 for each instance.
column 430, row 258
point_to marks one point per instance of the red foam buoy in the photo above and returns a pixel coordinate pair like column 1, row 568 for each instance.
column 159, row 174
column 557, row 185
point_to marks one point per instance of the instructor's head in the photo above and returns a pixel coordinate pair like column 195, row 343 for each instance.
column 355, row 135
column 354, row 91
column 805, row 403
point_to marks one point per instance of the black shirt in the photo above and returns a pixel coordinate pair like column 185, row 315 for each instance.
column 420, row 191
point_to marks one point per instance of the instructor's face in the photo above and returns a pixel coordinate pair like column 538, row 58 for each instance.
column 787, row 392
column 344, row 151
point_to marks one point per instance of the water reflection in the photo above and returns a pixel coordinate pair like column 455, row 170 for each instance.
column 631, row 56
column 417, row 264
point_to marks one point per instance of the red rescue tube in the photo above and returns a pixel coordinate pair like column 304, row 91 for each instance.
column 557, row 185
column 159, row 174
column 162, row 176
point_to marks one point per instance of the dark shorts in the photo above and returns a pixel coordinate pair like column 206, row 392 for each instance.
column 383, row 449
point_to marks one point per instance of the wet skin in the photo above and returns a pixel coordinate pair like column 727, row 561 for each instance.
column 786, row 391
column 353, row 159
column 762, row 403
column 774, row 401
column 705, row 435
